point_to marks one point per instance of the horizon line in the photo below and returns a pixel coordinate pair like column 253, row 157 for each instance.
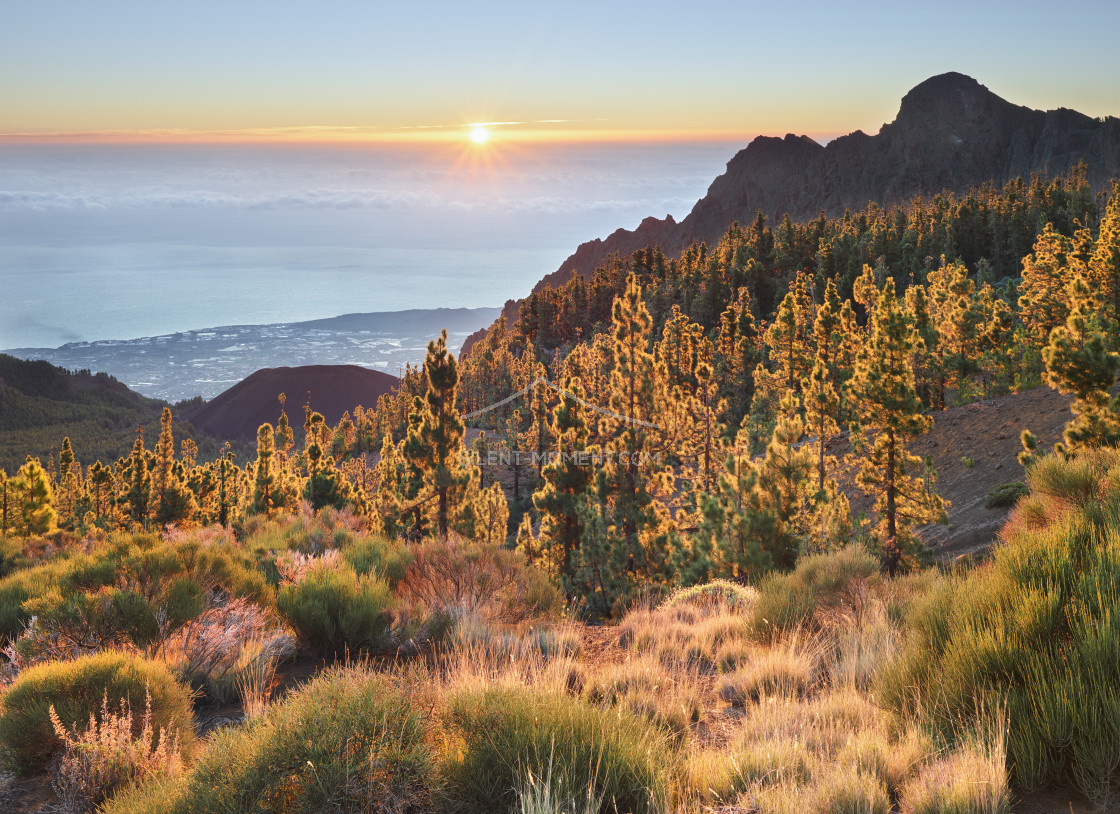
column 326, row 135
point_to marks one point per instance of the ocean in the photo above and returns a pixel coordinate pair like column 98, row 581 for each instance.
column 112, row 241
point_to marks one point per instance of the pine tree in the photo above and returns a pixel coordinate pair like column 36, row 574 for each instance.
column 527, row 542
column 171, row 500
column 285, row 438
column 435, row 440
column 1043, row 305
column 737, row 355
column 491, row 515
column 228, row 476
column 515, row 443
column 633, row 478
column 786, row 337
column 68, row 481
column 5, row 508
column 566, row 483
column 267, row 492
column 100, row 483
column 325, row 484
column 34, row 512
column 783, row 475
column 822, row 406
column 389, row 499
column 139, row 481
column 1104, row 267
column 738, row 519
column 1078, row 362
column 890, row 413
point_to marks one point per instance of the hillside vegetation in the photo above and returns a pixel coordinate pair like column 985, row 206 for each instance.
column 41, row 403
column 660, row 441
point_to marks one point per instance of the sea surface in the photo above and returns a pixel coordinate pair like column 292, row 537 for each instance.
column 116, row 241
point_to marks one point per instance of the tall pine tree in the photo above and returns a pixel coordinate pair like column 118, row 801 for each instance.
column 890, row 414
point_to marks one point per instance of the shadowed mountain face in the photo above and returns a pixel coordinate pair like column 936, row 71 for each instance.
column 333, row 390
column 951, row 133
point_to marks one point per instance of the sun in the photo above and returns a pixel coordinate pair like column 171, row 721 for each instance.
column 480, row 135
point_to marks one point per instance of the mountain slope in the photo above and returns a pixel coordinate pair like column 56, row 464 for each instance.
column 951, row 133
column 40, row 404
column 239, row 412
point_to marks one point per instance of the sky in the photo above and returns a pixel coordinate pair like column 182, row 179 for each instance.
column 574, row 70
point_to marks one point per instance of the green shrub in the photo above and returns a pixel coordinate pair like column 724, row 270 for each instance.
column 1006, row 494
column 348, row 741
column 719, row 591
column 333, row 610
column 784, row 603
column 16, row 589
column 606, row 754
column 134, row 590
column 12, row 556
column 76, row 689
column 388, row 559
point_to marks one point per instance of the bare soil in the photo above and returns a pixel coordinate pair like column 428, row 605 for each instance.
column 975, row 449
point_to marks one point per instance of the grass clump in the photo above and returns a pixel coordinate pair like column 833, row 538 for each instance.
column 668, row 699
column 787, row 669
column 506, row 733
column 834, row 581
column 970, row 780
column 76, row 690
column 349, row 741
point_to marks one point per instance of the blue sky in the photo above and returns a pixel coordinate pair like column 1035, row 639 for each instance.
column 614, row 68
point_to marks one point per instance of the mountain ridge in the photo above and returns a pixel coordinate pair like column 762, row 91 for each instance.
column 951, row 133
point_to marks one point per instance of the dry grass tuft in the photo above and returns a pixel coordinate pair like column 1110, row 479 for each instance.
column 971, row 780
column 787, row 669
column 107, row 756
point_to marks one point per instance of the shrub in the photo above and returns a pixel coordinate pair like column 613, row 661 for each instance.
column 1035, row 629
column 76, row 690
column 858, row 652
column 487, row 582
column 846, row 790
column 669, row 700
column 553, row 793
column 132, row 591
column 388, row 559
column 17, row 588
column 12, row 556
column 107, row 756
column 971, row 780
column 334, row 610
column 348, row 741
column 211, row 652
column 1006, row 494
column 507, row 733
column 734, row 597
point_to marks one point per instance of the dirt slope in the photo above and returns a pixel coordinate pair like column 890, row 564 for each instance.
column 974, row 450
